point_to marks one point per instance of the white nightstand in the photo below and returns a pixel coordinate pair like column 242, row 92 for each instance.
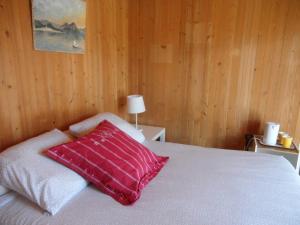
column 292, row 156
column 154, row 133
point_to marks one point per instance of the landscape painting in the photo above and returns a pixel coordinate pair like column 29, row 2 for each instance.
column 59, row 25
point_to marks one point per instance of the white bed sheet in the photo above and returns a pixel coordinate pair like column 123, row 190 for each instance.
column 198, row 186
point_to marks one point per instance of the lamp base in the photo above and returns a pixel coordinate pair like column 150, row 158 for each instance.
column 136, row 123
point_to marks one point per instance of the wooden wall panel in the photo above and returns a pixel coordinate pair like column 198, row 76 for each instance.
column 210, row 70
column 213, row 70
column 43, row 90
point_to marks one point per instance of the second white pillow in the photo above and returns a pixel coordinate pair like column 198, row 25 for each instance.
column 85, row 126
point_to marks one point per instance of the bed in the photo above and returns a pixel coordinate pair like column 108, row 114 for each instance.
column 197, row 186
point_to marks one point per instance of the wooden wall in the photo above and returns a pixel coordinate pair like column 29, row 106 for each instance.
column 210, row 70
column 43, row 90
column 213, row 70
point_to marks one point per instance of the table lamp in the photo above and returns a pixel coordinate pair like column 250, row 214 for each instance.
column 135, row 104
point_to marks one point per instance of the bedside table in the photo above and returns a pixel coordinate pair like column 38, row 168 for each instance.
column 292, row 156
column 153, row 133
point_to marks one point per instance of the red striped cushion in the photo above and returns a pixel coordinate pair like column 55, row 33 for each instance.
column 113, row 161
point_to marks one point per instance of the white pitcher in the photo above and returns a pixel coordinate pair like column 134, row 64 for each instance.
column 271, row 133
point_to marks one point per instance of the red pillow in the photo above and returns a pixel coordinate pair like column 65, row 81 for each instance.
column 113, row 161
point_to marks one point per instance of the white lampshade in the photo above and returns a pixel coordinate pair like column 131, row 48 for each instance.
column 135, row 104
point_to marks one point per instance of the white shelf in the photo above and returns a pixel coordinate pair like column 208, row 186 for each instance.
column 292, row 156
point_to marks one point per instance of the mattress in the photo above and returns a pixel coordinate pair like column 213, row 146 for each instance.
column 198, row 186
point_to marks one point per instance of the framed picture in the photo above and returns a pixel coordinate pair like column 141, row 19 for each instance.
column 59, row 25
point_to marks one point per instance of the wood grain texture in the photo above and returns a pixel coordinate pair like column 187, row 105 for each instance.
column 42, row 90
column 210, row 70
column 213, row 70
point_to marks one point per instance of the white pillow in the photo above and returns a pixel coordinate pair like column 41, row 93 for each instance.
column 3, row 190
column 85, row 126
column 24, row 169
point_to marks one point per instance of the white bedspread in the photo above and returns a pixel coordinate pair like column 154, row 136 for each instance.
column 198, row 186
